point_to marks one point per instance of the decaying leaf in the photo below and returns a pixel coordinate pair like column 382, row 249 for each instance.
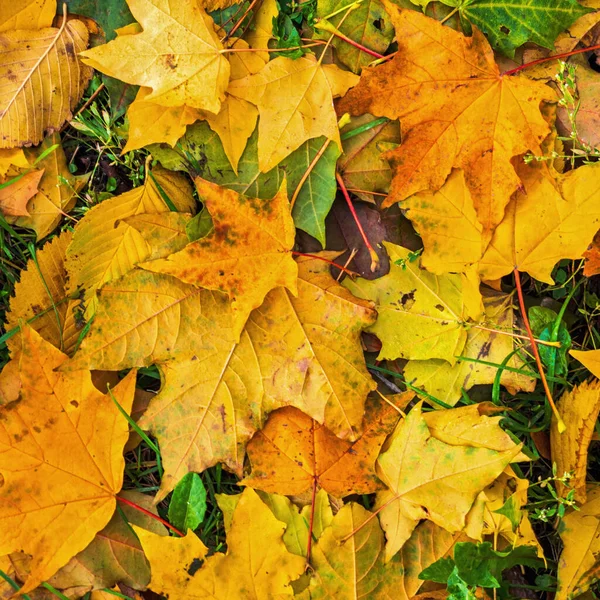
column 257, row 564
column 177, row 55
column 302, row 351
column 59, row 476
column 247, row 254
column 41, row 299
column 592, row 258
column 432, row 479
column 420, row 315
column 27, row 63
column 473, row 118
column 579, row 410
column 309, row 88
column 292, row 453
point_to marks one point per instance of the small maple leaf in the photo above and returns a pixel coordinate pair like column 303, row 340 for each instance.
column 247, row 254
column 456, row 111
column 308, row 88
column 59, row 477
column 178, row 55
column 15, row 194
column 292, row 453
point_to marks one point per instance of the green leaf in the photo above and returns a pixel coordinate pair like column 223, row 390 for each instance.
column 508, row 24
column 542, row 321
column 512, row 511
column 457, row 587
column 201, row 153
column 439, row 571
column 199, row 226
column 188, row 503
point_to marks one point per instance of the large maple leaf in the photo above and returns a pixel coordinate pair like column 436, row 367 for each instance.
column 247, row 254
column 456, row 110
column 309, row 88
column 61, row 457
column 257, row 564
column 292, row 453
column 178, row 55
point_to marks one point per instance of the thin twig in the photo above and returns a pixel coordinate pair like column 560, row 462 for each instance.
column 348, row 271
column 150, row 514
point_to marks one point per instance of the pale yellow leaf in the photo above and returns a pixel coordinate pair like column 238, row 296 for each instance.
column 27, row 14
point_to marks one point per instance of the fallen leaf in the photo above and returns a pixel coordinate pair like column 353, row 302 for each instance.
column 16, row 193
column 293, row 453
column 257, row 564
column 589, row 359
column 40, row 299
column 579, row 410
column 164, row 232
column 578, row 566
column 591, row 266
column 247, row 254
column 27, row 14
column 12, row 157
column 57, row 190
column 431, row 479
column 60, row 478
column 446, row 382
column 544, row 224
column 185, row 66
column 105, row 227
column 53, row 59
column 309, row 88
column 302, row 351
column 259, row 35
column 109, row 14
column 467, row 100
column 420, row 315
column 364, row 170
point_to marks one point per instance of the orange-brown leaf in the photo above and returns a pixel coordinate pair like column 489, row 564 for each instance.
column 15, row 196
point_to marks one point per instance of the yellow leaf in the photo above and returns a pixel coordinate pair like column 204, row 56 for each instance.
column 178, row 55
column 472, row 118
column 105, row 247
column 302, row 351
column 12, row 156
column 445, row 382
column 43, row 81
column 257, row 564
column 144, row 318
column 27, row 14
column 59, row 476
column 308, row 88
column 549, row 221
column 420, row 315
column 589, row 359
column 164, row 232
column 261, row 32
column 579, row 410
column 15, row 196
column 247, row 254
column 578, row 566
column 40, row 298
column 292, row 454
column 447, row 222
column 431, row 479
column 151, row 123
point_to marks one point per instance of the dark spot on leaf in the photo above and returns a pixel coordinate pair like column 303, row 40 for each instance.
column 74, row 403
column 504, row 29
column 406, row 298
column 378, row 24
column 439, row 307
column 195, row 566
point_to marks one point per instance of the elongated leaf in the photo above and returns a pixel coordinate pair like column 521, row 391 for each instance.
column 188, row 504
column 42, row 81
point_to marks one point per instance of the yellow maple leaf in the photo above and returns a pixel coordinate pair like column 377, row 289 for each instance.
column 590, row 359
column 178, row 55
column 456, row 111
column 309, row 89
column 28, row 107
column 433, row 479
column 579, row 409
column 40, row 298
column 420, row 315
column 27, row 14
column 257, row 564
column 59, row 476
column 247, row 254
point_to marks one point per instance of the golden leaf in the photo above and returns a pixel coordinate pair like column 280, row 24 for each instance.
column 309, row 88
column 579, row 410
column 15, row 196
column 261, row 32
column 27, row 14
column 59, row 476
column 44, row 80
column 247, row 254
column 456, row 111
column 178, row 55
column 257, row 564
column 589, row 359
column 12, row 156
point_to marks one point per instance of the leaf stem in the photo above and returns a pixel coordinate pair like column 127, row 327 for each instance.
column 308, row 171
column 364, row 127
column 325, row 25
column 449, row 16
column 373, row 254
column 551, row 57
column 241, row 19
column 150, row 514
column 315, row 43
column 336, row 265
column 561, row 425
